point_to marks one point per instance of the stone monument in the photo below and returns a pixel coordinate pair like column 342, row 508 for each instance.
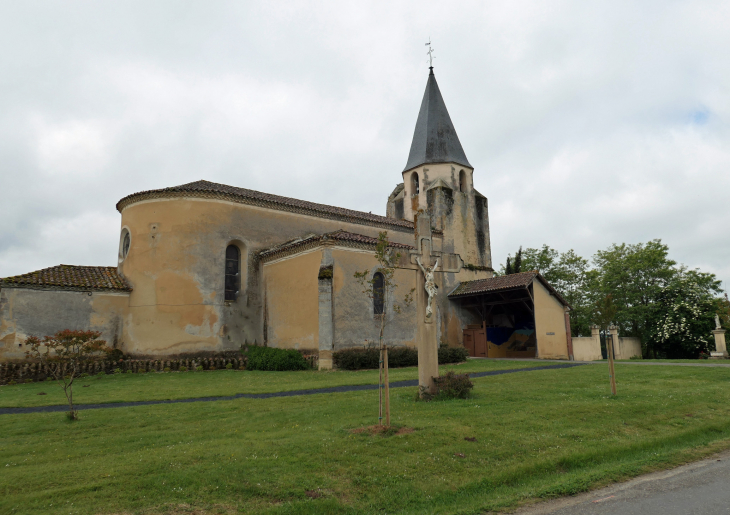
column 720, row 351
column 426, row 291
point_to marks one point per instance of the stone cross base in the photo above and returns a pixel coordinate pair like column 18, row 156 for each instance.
column 720, row 348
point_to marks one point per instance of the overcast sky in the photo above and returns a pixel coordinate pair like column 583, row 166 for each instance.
column 588, row 123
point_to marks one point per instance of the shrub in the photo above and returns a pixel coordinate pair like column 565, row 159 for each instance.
column 183, row 369
column 369, row 358
column 452, row 354
column 129, row 372
column 229, row 366
column 356, row 359
column 453, row 386
column 117, row 370
column 199, row 368
column 116, row 355
column 12, row 381
column 101, row 373
column 269, row 358
column 49, row 378
column 28, row 380
column 166, row 369
column 83, row 374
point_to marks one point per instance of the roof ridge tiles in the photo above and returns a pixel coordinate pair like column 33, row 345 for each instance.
column 243, row 195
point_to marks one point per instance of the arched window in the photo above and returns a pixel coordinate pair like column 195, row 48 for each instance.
column 233, row 272
column 415, row 186
column 462, row 181
column 378, row 294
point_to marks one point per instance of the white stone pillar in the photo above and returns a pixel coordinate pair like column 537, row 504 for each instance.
column 720, row 347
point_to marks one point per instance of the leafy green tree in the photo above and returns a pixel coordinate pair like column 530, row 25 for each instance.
column 571, row 276
column 634, row 275
column 512, row 266
column 517, row 267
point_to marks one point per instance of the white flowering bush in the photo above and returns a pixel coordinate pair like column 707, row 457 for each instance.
column 684, row 315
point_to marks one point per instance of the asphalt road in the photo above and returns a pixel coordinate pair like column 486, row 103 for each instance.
column 698, row 488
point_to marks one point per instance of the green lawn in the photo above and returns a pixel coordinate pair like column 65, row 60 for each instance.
column 538, row 434
column 692, row 361
column 183, row 385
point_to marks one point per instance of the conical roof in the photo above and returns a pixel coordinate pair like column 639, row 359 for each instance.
column 435, row 139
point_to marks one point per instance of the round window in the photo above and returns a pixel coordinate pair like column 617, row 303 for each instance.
column 125, row 244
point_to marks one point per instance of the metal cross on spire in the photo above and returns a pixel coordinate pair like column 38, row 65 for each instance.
column 430, row 54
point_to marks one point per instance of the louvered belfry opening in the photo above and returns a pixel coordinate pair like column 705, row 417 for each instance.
column 233, row 272
column 378, row 294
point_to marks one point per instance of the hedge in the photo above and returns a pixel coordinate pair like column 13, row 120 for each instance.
column 273, row 359
column 369, row 358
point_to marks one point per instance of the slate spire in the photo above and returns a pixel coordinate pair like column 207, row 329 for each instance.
column 435, row 139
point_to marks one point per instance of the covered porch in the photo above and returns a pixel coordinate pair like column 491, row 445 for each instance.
column 514, row 316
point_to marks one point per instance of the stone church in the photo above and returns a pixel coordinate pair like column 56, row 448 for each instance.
column 205, row 267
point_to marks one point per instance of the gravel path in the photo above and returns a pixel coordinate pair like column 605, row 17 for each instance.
column 293, row 393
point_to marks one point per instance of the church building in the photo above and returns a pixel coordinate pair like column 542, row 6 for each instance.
column 205, row 267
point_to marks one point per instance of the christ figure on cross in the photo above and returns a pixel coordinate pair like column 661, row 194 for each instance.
column 430, row 285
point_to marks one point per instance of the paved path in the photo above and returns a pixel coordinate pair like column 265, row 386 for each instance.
column 293, row 393
column 697, row 488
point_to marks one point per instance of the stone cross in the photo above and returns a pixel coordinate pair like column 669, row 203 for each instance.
column 426, row 291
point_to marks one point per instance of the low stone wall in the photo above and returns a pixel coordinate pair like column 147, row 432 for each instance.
column 29, row 372
column 26, row 372
column 587, row 348
column 628, row 347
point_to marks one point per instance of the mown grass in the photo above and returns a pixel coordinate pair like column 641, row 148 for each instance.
column 183, row 385
column 539, row 434
column 690, row 361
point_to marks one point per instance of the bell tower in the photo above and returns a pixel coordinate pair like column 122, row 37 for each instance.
column 438, row 178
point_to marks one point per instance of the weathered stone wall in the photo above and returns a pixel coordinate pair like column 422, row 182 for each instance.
column 354, row 317
column 27, row 312
column 462, row 215
column 176, row 267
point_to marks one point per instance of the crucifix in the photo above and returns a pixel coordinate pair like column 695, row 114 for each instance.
column 428, row 262
column 430, row 54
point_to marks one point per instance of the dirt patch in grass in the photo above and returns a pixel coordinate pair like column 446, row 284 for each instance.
column 383, row 430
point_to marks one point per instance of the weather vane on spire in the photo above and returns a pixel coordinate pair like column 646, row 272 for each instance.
column 430, row 54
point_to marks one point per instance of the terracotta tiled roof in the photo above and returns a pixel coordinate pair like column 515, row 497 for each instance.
column 206, row 189
column 359, row 240
column 70, row 277
column 502, row 283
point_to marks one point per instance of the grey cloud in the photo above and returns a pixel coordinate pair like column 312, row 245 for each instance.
column 588, row 122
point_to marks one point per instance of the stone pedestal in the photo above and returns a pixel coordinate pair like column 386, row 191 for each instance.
column 428, row 355
column 720, row 348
